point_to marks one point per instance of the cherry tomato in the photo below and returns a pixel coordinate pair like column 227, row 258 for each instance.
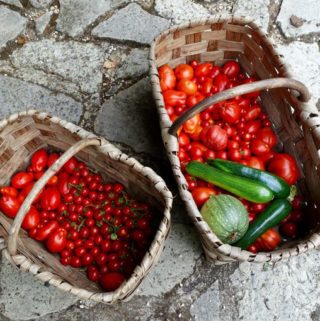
column 39, row 160
column 167, row 77
column 231, row 69
column 267, row 136
column 267, row 156
column 9, row 205
column 21, row 179
column 284, row 166
column 214, row 137
column 93, row 273
column 230, row 112
column 297, row 202
column 192, row 100
column 183, row 139
column 53, row 180
column 52, row 158
column 9, row 190
column 202, row 194
column 221, row 81
column 187, row 86
column 252, row 113
column 70, row 165
column 234, row 154
column 31, row 220
column 50, row 199
column 44, row 232
column 57, row 240
column 259, row 147
column 253, row 248
column 184, row 71
column 206, row 86
column 269, row 240
column 289, row 229
column 203, row 69
column 252, row 127
column 255, row 162
column 111, row 281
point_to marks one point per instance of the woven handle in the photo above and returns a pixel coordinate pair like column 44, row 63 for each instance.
column 52, row 170
column 240, row 90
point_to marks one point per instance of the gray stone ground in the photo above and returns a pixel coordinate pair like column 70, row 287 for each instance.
column 86, row 61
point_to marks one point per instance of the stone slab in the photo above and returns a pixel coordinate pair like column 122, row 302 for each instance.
column 42, row 22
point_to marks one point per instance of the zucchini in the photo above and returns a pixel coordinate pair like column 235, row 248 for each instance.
column 277, row 211
column 243, row 187
column 276, row 184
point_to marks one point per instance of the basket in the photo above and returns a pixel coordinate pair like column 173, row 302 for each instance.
column 295, row 122
column 22, row 134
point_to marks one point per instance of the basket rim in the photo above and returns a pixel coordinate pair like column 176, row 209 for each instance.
column 127, row 289
column 222, row 249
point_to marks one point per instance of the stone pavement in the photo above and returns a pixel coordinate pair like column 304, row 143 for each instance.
column 86, row 61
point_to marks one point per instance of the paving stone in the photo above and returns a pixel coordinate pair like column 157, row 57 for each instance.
column 130, row 117
column 143, row 26
column 40, row 4
column 308, row 11
column 16, row 3
column 180, row 10
column 304, row 69
column 11, row 25
column 42, row 22
column 134, row 65
column 17, row 95
column 24, row 297
column 80, row 63
column 257, row 9
column 176, row 263
column 76, row 15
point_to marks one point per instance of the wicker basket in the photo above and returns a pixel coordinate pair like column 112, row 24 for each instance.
column 295, row 123
column 22, row 134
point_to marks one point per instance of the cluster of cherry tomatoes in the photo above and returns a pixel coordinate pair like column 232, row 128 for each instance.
column 89, row 223
column 236, row 129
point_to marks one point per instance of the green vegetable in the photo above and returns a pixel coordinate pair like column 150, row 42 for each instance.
column 243, row 187
column 226, row 217
column 276, row 184
column 277, row 211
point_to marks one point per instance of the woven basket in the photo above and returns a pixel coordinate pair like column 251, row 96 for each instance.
column 295, row 123
column 24, row 133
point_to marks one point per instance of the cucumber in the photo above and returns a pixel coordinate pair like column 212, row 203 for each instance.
column 276, row 184
column 277, row 211
column 243, row 187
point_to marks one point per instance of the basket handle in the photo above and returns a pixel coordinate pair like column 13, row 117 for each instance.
column 240, row 90
column 52, row 170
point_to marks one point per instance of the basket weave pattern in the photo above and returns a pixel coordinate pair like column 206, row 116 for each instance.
column 24, row 133
column 295, row 123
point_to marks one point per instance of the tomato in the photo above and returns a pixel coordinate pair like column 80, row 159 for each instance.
column 245, row 152
column 221, row 81
column 174, row 98
column 234, row 154
column 297, row 202
column 252, row 127
column 8, row 190
column 214, row 72
column 255, row 162
column 257, row 207
column 70, row 165
column 202, row 194
column 184, row 71
column 233, row 144
column 52, row 158
column 44, row 232
column 63, row 185
column 39, row 160
column 183, row 139
column 21, row 179
column 25, row 192
column 50, row 199
column 187, row 86
column 214, row 137
column 243, row 102
column 206, row 86
column 230, row 112
column 231, row 69
column 289, row 229
column 252, row 95
column 93, row 273
column 253, row 248
column 285, row 167
column 111, row 281
column 267, row 156
column 259, row 147
column 267, row 136
column 203, row 69
column 167, row 77
column 53, row 180
column 9, row 205
column 252, row 112
column 194, row 99
column 269, row 240
column 31, row 220
column 192, row 125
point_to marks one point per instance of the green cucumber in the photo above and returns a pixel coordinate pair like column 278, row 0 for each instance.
column 240, row 186
column 276, row 184
column 277, row 211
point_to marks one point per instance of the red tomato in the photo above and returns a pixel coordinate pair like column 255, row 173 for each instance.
column 52, row 158
column 183, row 139
column 267, row 156
column 44, row 232
column 31, row 220
column 297, row 202
column 21, row 179
column 252, row 95
column 57, row 240
column 111, row 281
column 9, row 205
column 252, row 127
column 174, row 98
column 50, row 199
column 234, row 154
column 167, row 78
column 39, row 160
column 269, row 240
column 230, row 112
column 192, row 124
column 259, row 147
column 203, row 69
column 231, row 69
column 253, row 248
column 221, row 81
column 187, row 86
column 289, row 229
column 8, row 190
column 194, row 99
column 25, row 192
column 215, row 137
column 53, row 180
column 267, row 136
column 206, row 86
column 214, row 72
column 243, row 102
column 70, row 165
column 184, row 71
column 202, row 194
column 63, row 184
column 285, row 167
column 252, row 112
column 255, row 162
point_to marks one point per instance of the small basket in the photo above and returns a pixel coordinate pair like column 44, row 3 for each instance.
column 24, row 133
column 295, row 123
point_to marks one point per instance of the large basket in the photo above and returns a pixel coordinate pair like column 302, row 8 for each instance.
column 22, row 134
column 295, row 123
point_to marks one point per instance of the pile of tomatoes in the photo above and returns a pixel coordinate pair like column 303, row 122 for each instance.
column 236, row 129
column 89, row 223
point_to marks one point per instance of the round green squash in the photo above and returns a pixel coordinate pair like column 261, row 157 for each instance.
column 226, row 217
